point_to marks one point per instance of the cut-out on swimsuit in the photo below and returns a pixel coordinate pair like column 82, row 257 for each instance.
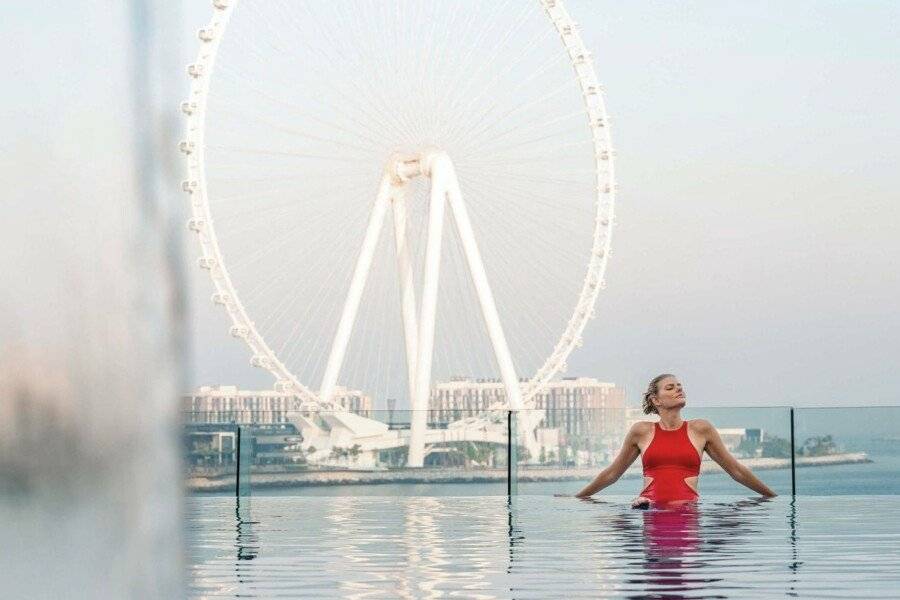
column 669, row 459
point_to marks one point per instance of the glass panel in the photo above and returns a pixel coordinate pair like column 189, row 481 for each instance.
column 853, row 451
column 347, row 453
column 847, row 451
column 561, row 450
column 574, row 445
column 758, row 437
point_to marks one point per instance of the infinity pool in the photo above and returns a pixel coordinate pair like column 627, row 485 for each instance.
column 543, row 547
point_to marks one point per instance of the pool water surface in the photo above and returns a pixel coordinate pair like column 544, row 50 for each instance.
column 542, row 547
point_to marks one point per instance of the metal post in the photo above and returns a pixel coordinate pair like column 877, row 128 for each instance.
column 509, row 453
column 793, row 453
column 237, row 475
column 512, row 457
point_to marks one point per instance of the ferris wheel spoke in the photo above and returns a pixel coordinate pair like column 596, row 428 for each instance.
column 285, row 303
column 273, row 243
column 506, row 265
column 294, row 132
column 280, row 194
column 515, row 91
column 375, row 93
column 492, row 88
column 499, row 137
column 285, row 153
column 269, row 280
column 546, row 142
column 363, row 129
column 468, row 61
column 370, row 112
column 535, row 225
column 373, row 126
column 479, row 134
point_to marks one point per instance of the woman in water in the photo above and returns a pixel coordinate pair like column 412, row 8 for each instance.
column 671, row 451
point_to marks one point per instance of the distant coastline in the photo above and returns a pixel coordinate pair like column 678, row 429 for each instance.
column 300, row 479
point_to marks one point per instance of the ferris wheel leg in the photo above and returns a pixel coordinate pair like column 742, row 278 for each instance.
column 485, row 296
column 425, row 338
column 357, row 285
column 489, row 311
column 407, row 289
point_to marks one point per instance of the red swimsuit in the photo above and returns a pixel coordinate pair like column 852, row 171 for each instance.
column 668, row 459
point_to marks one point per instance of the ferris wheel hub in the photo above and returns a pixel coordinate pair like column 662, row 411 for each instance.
column 403, row 167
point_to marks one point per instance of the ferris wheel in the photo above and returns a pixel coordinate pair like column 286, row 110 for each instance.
column 391, row 194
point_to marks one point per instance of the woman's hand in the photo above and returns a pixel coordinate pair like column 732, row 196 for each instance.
column 640, row 502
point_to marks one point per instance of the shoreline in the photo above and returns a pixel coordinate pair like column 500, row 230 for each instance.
column 525, row 474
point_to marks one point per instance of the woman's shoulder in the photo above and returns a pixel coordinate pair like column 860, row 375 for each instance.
column 699, row 425
column 642, row 426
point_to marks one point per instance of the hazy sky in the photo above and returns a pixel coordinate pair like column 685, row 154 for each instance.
column 757, row 158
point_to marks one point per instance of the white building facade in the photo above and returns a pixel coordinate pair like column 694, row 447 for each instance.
column 580, row 407
column 228, row 404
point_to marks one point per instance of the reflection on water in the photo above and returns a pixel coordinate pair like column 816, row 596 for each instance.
column 671, row 537
column 247, row 542
column 538, row 547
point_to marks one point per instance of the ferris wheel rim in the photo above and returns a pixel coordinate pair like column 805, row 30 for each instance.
column 201, row 223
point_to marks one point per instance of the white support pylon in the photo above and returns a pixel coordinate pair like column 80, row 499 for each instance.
column 407, row 289
column 357, row 285
column 425, row 340
column 483, row 289
column 526, row 426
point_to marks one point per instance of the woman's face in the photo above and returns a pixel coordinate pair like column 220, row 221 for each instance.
column 669, row 394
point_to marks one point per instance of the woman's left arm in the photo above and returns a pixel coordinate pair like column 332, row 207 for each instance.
column 719, row 453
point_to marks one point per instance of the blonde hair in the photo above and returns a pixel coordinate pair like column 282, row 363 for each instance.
column 652, row 390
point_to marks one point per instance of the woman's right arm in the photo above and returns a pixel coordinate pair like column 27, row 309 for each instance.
column 608, row 476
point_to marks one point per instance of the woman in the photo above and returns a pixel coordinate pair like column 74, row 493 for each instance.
column 671, row 451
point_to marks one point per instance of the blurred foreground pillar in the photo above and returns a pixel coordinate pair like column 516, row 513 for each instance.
column 91, row 304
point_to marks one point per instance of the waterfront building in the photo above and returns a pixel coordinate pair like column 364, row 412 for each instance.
column 733, row 437
column 228, row 404
column 583, row 409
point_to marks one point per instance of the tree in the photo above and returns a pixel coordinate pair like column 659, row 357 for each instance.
column 394, row 457
column 776, row 447
column 747, row 447
column 818, row 446
column 522, row 453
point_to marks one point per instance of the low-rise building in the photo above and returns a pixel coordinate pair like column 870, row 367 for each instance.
column 586, row 411
column 228, row 404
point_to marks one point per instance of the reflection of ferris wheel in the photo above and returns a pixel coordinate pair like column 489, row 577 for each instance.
column 467, row 109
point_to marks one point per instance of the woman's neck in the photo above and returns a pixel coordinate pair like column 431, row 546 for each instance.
column 671, row 420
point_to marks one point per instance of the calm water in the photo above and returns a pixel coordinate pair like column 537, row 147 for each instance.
column 543, row 547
